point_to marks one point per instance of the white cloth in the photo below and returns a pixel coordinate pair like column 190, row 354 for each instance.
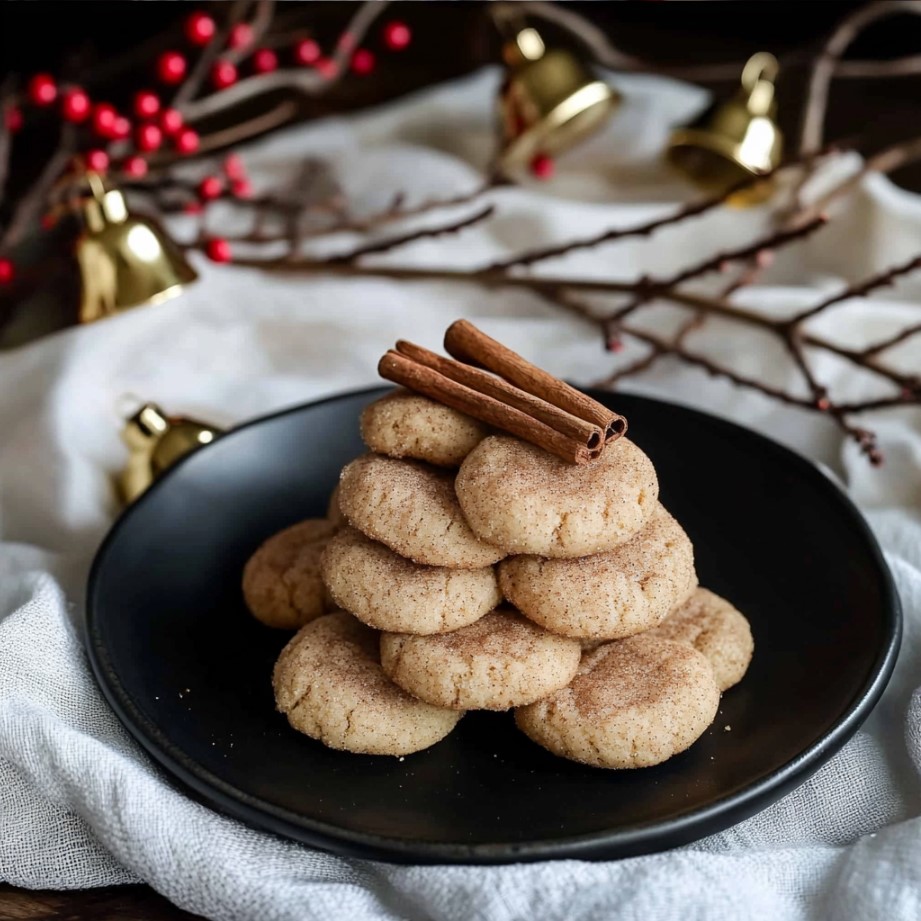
column 81, row 805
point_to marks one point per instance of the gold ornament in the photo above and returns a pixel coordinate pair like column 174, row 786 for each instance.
column 549, row 100
column 734, row 139
column 125, row 261
column 156, row 441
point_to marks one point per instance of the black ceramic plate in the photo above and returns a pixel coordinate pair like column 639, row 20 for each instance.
column 188, row 670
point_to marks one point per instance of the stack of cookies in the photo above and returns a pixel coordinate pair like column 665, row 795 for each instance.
column 463, row 569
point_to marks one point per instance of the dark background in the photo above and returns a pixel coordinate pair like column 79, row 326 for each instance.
column 451, row 38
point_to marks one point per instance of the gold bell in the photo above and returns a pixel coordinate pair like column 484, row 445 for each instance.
column 156, row 441
column 735, row 139
column 549, row 100
column 125, row 261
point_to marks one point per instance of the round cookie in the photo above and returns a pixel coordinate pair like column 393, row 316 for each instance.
column 609, row 595
column 501, row 661
column 633, row 703
column 404, row 424
column 282, row 584
column 715, row 628
column 388, row 592
column 524, row 500
column 413, row 510
column 329, row 682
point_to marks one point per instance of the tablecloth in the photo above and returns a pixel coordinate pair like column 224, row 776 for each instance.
column 80, row 803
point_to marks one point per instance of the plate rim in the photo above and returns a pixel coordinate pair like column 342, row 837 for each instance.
column 602, row 845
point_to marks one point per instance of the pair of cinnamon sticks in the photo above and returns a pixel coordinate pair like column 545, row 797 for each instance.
column 517, row 397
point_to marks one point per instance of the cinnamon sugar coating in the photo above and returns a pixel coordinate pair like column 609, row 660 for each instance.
column 388, row 592
column 282, row 584
column 412, row 509
column 715, row 628
column 405, row 424
column 520, row 498
column 609, row 595
column 501, row 661
column 633, row 703
column 329, row 682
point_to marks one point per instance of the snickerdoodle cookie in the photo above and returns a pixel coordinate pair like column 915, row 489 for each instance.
column 388, row 592
column 404, row 424
column 524, row 500
column 282, row 583
column 412, row 509
column 715, row 628
column 501, row 661
column 609, row 595
column 329, row 682
column 633, row 703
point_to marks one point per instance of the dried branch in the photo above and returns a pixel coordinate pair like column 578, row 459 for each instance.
column 382, row 246
column 859, row 289
column 823, row 69
column 306, row 82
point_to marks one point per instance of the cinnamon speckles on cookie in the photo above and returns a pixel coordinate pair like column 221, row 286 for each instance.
column 499, row 662
column 715, row 628
column 282, row 585
column 412, row 508
column 609, row 595
column 404, row 424
column 633, row 703
column 389, row 592
column 329, row 683
column 524, row 500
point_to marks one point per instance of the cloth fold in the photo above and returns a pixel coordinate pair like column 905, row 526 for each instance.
column 82, row 805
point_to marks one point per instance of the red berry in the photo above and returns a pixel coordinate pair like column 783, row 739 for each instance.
column 363, row 61
column 241, row 188
column 307, row 52
column 210, row 187
column 223, row 74
column 397, row 35
column 48, row 221
column 75, row 105
column 121, row 128
column 218, row 250
column 13, row 119
column 7, row 271
column 265, row 61
column 171, row 121
column 542, row 166
column 823, row 404
column 233, row 167
column 104, row 117
column 43, row 90
column 193, row 207
column 146, row 104
column 187, row 141
column 135, row 166
column 326, row 67
column 171, row 67
column 199, row 29
column 149, row 137
column 241, row 35
column 97, row 161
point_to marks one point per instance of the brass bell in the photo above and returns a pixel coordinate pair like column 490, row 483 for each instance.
column 549, row 100
column 156, row 441
column 125, row 261
column 735, row 139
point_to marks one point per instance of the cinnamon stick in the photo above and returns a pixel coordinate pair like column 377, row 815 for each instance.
column 589, row 434
column 413, row 375
column 472, row 346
